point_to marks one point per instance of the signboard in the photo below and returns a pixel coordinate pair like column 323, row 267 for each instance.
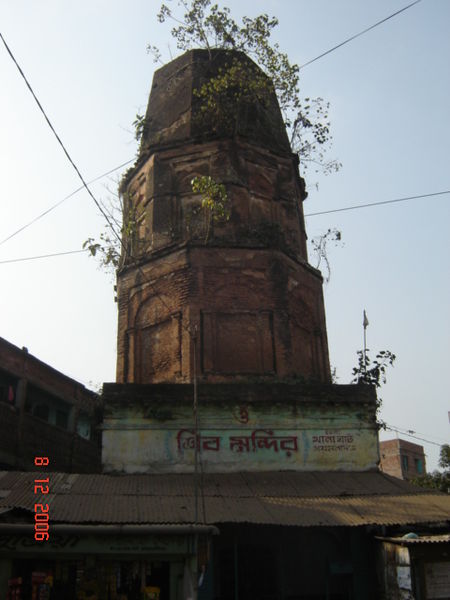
column 242, row 438
column 62, row 544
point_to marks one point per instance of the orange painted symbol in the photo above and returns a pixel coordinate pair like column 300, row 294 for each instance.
column 243, row 415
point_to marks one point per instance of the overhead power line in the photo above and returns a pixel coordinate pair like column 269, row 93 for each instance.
column 325, row 212
column 85, row 185
column 14, row 260
column 63, row 200
column 358, row 34
column 413, row 432
column 355, row 206
column 412, row 436
column 161, row 299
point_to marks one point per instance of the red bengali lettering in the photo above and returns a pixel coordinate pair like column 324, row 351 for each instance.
column 187, row 440
column 240, row 443
column 211, row 443
column 262, row 439
column 289, row 444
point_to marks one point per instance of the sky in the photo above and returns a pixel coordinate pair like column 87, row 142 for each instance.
column 389, row 92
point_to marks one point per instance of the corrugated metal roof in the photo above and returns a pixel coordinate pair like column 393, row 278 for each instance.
column 272, row 498
column 421, row 539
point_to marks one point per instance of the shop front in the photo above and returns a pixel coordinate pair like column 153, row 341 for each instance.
column 283, row 535
column 415, row 565
column 99, row 567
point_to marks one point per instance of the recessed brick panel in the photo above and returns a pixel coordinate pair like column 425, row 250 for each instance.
column 240, row 342
column 158, row 347
column 302, row 350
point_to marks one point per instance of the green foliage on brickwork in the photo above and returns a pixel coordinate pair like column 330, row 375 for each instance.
column 206, row 25
column 106, row 248
column 214, row 201
column 235, row 85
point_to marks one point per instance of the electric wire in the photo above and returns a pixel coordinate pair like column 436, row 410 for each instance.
column 412, row 436
column 356, row 206
column 14, row 260
column 48, row 210
column 413, row 432
column 306, row 215
column 85, row 185
column 128, row 162
column 358, row 34
column 103, row 212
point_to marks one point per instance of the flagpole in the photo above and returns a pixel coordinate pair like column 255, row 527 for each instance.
column 365, row 364
column 365, row 323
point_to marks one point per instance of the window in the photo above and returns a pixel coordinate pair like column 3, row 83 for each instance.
column 62, row 418
column 48, row 407
column 405, row 464
column 84, row 426
column 8, row 386
column 7, row 393
column 41, row 411
column 418, row 463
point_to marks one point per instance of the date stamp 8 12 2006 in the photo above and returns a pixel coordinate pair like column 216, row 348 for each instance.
column 41, row 512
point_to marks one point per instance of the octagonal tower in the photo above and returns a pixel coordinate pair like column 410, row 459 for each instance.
column 238, row 294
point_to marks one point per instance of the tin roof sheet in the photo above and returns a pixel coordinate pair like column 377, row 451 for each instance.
column 421, row 539
column 273, row 498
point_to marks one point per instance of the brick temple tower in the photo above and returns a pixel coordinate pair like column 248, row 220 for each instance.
column 240, row 293
column 231, row 304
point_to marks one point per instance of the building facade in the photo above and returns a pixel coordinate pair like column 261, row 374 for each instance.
column 45, row 413
column 401, row 458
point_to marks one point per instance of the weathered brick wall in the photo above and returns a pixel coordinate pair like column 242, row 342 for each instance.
column 264, row 190
column 240, row 291
column 25, row 366
column 256, row 313
column 24, row 436
column 391, row 458
column 86, row 455
column 163, row 398
column 9, row 420
column 242, row 427
column 174, row 113
column 41, row 439
column 66, row 452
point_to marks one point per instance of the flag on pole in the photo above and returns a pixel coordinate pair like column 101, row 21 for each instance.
column 365, row 320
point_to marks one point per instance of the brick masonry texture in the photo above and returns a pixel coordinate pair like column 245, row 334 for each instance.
column 238, row 294
column 393, row 463
column 25, row 436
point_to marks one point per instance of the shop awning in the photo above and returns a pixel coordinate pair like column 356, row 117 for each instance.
column 303, row 499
